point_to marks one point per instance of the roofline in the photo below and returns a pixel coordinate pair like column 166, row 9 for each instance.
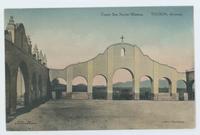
column 116, row 44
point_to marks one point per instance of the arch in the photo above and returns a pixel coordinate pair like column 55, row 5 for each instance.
column 181, row 88
column 79, row 84
column 122, row 81
column 146, row 87
column 123, row 68
column 22, row 86
column 34, row 86
column 59, row 88
column 99, row 87
column 8, row 90
column 164, row 85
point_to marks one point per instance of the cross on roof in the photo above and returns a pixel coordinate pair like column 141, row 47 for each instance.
column 122, row 38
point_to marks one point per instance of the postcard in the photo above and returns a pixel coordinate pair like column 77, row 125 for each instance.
column 99, row 68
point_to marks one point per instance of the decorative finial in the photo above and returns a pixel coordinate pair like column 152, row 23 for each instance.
column 122, row 38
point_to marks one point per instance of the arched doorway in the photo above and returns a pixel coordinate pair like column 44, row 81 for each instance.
column 181, row 89
column 164, row 85
column 59, row 88
column 99, row 87
column 146, row 88
column 8, row 92
column 79, row 88
column 79, row 84
column 22, row 86
column 123, row 85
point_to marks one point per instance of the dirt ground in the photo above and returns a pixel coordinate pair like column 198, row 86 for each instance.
column 106, row 114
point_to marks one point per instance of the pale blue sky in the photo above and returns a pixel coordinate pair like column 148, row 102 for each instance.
column 67, row 36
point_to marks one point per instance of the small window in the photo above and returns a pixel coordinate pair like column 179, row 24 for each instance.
column 122, row 51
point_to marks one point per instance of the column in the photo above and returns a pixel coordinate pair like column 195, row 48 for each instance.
column 174, row 94
column 69, row 90
column 90, row 78
column 89, row 89
column 109, row 89
column 190, row 91
column 155, row 89
column 110, row 69
column 137, row 89
column 69, row 78
column 13, row 93
column 156, row 77
column 133, row 89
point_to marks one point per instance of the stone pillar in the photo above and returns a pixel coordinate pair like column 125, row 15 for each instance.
column 155, row 89
column 109, row 89
column 174, row 94
column 89, row 89
column 69, row 91
column 110, row 71
column 190, row 91
column 90, row 79
column 133, row 90
column 13, row 94
column 156, row 77
column 137, row 89
column 69, row 78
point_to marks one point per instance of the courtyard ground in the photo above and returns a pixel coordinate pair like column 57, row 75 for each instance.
column 106, row 114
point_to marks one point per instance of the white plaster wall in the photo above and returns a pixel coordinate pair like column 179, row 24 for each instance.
column 111, row 60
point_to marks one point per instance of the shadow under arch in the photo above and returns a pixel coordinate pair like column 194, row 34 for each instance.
column 123, row 90
column 165, row 85
column 79, row 84
column 99, row 87
column 146, row 87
